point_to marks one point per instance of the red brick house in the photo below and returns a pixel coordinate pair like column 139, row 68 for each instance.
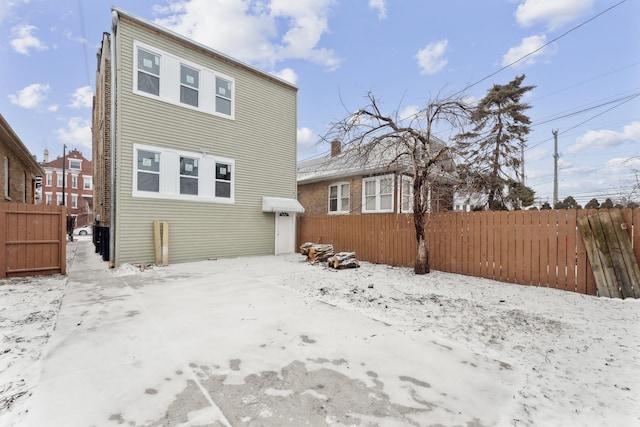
column 78, row 185
column 19, row 170
column 343, row 183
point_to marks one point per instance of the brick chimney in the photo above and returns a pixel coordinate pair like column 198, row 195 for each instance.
column 336, row 147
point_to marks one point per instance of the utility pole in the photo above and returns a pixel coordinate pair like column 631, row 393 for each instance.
column 64, row 160
column 555, row 167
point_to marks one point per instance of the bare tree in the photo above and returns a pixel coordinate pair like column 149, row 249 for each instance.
column 392, row 140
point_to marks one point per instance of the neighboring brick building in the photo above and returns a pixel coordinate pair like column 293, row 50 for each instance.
column 101, row 143
column 342, row 183
column 19, row 170
column 78, row 185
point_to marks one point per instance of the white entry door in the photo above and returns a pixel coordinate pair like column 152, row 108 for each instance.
column 285, row 232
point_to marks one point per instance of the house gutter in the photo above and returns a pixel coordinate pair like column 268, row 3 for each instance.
column 112, row 141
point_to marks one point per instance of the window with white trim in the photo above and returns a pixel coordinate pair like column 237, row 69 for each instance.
column 48, row 197
column 377, row 194
column 74, row 181
column 75, row 164
column 189, row 84
column 406, row 194
column 169, row 78
column 58, row 179
column 59, row 199
column 87, row 182
column 223, row 96
column 6, row 177
column 188, row 175
column 339, row 195
column 148, row 171
column 148, row 72
column 172, row 174
column 49, row 179
column 74, row 200
column 223, row 180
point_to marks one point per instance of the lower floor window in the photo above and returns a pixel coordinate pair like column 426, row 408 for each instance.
column 167, row 173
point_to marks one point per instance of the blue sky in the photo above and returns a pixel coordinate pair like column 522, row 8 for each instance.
column 403, row 51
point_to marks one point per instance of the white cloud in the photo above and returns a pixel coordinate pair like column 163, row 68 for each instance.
column 430, row 58
column 6, row 7
column 380, row 6
column 306, row 138
column 82, row 98
column 287, row 74
column 31, row 96
column 53, row 108
column 537, row 154
column 22, row 40
column 553, row 13
column 606, row 138
column 409, row 112
column 76, row 133
column 621, row 165
column 527, row 46
column 261, row 33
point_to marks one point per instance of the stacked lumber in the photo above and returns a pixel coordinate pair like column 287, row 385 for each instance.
column 316, row 252
column 343, row 260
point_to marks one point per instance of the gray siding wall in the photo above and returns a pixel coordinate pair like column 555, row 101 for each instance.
column 261, row 140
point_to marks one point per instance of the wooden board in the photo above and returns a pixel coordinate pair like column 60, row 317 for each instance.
column 608, row 245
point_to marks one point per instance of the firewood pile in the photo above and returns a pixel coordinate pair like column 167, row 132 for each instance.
column 319, row 252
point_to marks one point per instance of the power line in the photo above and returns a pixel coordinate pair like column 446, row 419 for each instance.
column 541, row 47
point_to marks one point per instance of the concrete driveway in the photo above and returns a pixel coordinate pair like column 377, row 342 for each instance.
column 222, row 343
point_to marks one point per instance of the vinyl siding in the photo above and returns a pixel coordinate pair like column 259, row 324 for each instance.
column 261, row 140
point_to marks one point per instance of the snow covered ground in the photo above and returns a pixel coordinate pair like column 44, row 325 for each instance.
column 568, row 359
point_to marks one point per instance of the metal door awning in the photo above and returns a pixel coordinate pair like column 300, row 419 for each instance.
column 281, row 204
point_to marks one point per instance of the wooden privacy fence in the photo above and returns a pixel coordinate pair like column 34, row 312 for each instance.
column 32, row 240
column 538, row 248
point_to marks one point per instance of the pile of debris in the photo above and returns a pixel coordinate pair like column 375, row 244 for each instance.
column 318, row 252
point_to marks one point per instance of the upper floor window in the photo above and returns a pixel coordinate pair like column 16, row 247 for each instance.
column 377, row 194
column 169, row 78
column 75, row 164
column 59, row 179
column 59, row 199
column 74, row 181
column 47, row 198
column 188, row 176
column 49, row 179
column 223, row 96
column 87, row 182
column 148, row 72
column 339, row 198
column 189, row 83
column 74, row 201
column 148, row 171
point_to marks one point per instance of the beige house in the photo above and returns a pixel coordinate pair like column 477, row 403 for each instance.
column 188, row 135
column 19, row 170
column 344, row 183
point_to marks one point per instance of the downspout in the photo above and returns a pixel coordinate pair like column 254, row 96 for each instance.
column 112, row 140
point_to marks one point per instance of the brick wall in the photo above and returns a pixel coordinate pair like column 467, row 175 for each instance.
column 20, row 178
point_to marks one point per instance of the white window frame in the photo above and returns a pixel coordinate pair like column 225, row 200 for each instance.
column 170, row 82
column 6, row 178
column 58, row 199
column 169, row 175
column 87, row 182
column 377, row 180
column 48, row 198
column 74, row 181
column 190, row 162
column 49, row 179
column 59, row 179
column 74, row 201
column 194, row 86
column 76, row 162
column 406, row 198
column 340, row 208
column 146, row 71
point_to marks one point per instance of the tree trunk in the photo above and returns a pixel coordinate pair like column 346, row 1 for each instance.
column 422, row 255
column 422, row 258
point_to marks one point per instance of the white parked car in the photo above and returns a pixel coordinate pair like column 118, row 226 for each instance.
column 83, row 231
